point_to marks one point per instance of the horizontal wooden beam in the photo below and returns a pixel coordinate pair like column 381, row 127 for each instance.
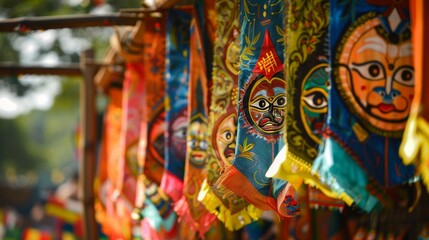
column 70, row 69
column 25, row 24
column 11, row 69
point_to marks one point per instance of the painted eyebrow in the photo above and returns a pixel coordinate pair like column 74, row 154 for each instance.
column 406, row 50
column 374, row 43
column 278, row 90
column 261, row 92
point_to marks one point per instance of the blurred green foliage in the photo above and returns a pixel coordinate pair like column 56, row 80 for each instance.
column 43, row 140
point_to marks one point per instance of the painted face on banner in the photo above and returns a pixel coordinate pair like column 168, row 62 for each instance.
column 377, row 75
column 156, row 138
column 264, row 106
column 226, row 135
column 197, row 143
column 314, row 101
column 177, row 134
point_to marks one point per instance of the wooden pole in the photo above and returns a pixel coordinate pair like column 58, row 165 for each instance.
column 70, row 69
column 13, row 69
column 25, row 24
column 89, row 127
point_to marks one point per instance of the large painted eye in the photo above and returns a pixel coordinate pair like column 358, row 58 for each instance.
column 261, row 103
column 404, row 75
column 316, row 100
column 180, row 132
column 203, row 145
column 226, row 135
column 372, row 70
column 280, row 102
column 192, row 143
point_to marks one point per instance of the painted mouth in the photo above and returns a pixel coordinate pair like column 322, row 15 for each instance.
column 228, row 152
column 267, row 122
column 386, row 108
column 198, row 159
column 198, row 155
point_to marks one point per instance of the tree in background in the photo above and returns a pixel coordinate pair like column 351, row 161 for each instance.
column 39, row 136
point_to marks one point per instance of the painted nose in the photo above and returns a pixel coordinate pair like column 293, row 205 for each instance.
column 232, row 144
column 269, row 113
column 387, row 97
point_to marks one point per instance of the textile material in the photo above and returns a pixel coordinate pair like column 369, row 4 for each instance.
column 176, row 102
column 132, row 100
column 308, row 81
column 112, row 222
column 369, row 99
column 231, row 209
column 188, row 208
column 415, row 143
column 122, row 168
column 261, row 104
column 151, row 144
column 151, row 203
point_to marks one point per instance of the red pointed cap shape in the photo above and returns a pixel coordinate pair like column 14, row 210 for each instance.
column 268, row 62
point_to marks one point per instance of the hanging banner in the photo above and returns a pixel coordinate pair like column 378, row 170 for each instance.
column 176, row 102
column 112, row 224
column 261, row 109
column 151, row 204
column 123, row 165
column 307, row 79
column 151, row 143
column 369, row 100
column 231, row 209
column 189, row 209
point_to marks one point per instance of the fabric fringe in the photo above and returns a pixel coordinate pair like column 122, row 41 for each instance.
column 348, row 191
column 232, row 178
column 233, row 221
column 201, row 225
column 295, row 170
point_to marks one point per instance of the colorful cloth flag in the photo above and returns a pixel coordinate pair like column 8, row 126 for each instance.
column 307, row 79
column 132, row 108
column 188, row 208
column 369, row 100
column 231, row 209
column 415, row 143
column 176, row 102
column 113, row 169
column 147, row 158
column 151, row 142
column 123, row 192
column 261, row 109
column 111, row 223
column 123, row 167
